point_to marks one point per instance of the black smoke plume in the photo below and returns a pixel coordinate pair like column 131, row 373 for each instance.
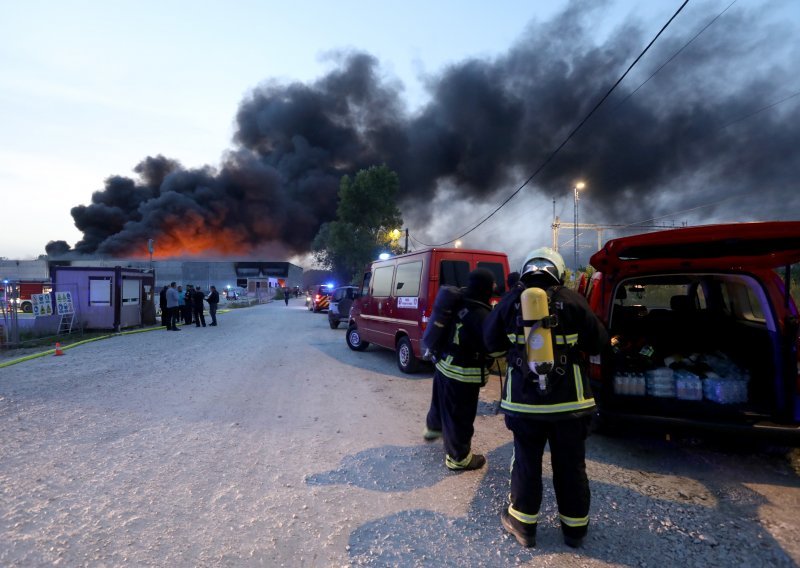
column 684, row 141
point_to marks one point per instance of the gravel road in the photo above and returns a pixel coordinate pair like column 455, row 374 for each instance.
column 267, row 442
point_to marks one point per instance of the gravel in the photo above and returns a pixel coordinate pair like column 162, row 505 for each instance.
column 267, row 442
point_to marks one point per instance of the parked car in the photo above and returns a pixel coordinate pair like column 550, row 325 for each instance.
column 397, row 296
column 704, row 330
column 340, row 302
column 320, row 298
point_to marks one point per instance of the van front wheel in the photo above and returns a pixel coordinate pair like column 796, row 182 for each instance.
column 354, row 340
column 405, row 356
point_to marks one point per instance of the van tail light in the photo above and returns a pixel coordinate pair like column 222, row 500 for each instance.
column 426, row 317
column 316, row 296
column 595, row 368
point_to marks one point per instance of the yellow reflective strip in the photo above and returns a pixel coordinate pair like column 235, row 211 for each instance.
column 457, row 333
column 514, row 338
column 497, row 354
column 578, row 381
column 547, row 408
column 522, row 517
column 464, row 375
column 570, row 339
column 574, row 521
column 461, row 371
column 450, row 462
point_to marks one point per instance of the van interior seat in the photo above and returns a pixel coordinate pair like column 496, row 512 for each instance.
column 628, row 320
column 682, row 304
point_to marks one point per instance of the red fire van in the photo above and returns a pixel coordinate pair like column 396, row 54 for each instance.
column 397, row 297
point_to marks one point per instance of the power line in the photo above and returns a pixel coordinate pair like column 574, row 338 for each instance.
column 755, row 112
column 674, row 55
column 569, row 136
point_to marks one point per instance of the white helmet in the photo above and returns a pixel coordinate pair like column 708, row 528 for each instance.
column 543, row 260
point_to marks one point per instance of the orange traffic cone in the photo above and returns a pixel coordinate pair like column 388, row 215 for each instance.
column 58, row 350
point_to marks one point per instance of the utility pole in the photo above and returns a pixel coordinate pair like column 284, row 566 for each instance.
column 406, row 239
column 150, row 250
column 578, row 186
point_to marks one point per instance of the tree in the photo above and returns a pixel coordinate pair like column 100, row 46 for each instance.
column 367, row 220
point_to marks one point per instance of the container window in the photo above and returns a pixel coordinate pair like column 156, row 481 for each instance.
column 99, row 290
column 407, row 279
column 131, row 291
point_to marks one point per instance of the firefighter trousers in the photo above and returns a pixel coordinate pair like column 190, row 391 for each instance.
column 454, row 405
column 567, row 439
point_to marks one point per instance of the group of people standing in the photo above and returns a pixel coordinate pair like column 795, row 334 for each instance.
column 554, row 408
column 177, row 304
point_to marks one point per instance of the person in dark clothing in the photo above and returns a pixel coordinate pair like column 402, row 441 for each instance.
column 554, row 408
column 286, row 296
column 459, row 375
column 198, row 306
column 213, row 301
column 162, row 303
column 188, row 302
column 512, row 280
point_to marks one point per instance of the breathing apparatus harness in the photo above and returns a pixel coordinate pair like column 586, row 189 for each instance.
column 548, row 373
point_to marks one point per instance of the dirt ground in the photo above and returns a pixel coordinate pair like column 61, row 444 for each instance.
column 267, row 442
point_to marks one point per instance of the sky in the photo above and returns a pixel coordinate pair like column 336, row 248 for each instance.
column 480, row 94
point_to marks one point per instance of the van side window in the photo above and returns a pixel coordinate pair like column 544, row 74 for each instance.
column 382, row 281
column 795, row 281
column 499, row 277
column 407, row 280
column 365, row 284
column 453, row 273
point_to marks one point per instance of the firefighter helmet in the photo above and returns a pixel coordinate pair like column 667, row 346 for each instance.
column 543, row 261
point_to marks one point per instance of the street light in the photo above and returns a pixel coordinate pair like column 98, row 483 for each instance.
column 578, row 186
column 396, row 236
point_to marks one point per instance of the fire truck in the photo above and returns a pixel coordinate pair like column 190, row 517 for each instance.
column 18, row 294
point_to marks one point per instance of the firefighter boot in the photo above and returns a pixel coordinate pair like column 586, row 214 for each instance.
column 573, row 536
column 573, row 541
column 430, row 434
column 472, row 461
column 524, row 533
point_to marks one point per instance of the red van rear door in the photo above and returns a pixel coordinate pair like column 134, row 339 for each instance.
column 734, row 246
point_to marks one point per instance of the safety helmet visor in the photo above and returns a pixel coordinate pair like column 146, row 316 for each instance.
column 540, row 266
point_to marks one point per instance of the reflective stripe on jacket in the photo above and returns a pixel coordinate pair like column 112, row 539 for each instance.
column 464, row 359
column 578, row 331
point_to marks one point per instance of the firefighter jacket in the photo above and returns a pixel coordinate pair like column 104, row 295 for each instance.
column 576, row 332
column 465, row 357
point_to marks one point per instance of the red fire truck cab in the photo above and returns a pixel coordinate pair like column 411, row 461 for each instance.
column 18, row 294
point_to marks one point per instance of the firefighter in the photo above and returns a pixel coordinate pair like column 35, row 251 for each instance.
column 460, row 373
column 554, row 406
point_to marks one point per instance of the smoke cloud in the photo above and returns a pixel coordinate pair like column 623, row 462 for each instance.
column 684, row 141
